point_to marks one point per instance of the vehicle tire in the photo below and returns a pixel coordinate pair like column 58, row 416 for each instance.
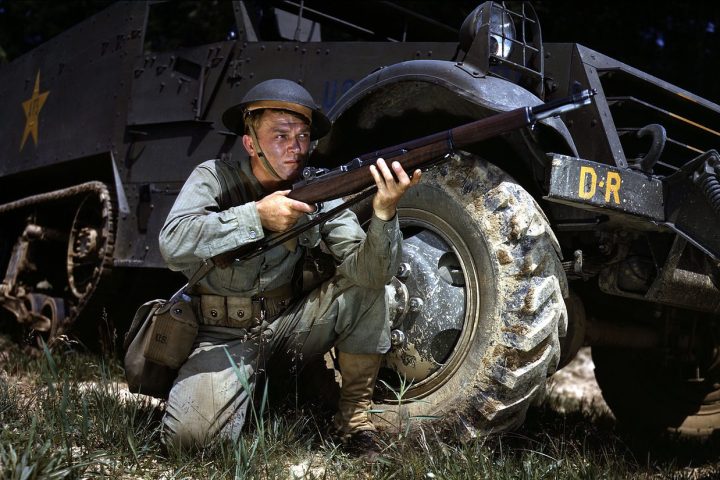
column 480, row 306
column 651, row 395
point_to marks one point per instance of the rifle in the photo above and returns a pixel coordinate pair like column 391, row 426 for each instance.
column 321, row 185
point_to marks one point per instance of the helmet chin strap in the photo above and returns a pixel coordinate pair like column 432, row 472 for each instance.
column 261, row 154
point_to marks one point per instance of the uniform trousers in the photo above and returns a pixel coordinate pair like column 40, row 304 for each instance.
column 209, row 398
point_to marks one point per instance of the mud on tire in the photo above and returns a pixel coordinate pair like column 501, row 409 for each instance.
column 483, row 371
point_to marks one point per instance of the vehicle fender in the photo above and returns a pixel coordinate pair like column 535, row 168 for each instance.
column 418, row 97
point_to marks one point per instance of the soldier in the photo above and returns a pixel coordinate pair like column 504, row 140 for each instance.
column 251, row 311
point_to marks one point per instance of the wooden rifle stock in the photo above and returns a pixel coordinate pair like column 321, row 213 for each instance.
column 419, row 153
column 321, row 185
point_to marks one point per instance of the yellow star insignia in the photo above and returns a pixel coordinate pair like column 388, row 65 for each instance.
column 32, row 108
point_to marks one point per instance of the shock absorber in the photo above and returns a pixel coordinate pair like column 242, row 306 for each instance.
column 708, row 179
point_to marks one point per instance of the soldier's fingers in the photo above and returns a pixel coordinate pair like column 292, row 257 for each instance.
column 301, row 207
column 379, row 180
column 386, row 173
column 415, row 179
column 401, row 174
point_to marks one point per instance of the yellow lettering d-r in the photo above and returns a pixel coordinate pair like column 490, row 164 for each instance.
column 613, row 186
column 582, row 191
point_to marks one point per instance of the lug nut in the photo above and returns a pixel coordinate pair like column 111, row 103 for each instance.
column 403, row 271
column 397, row 338
column 416, row 304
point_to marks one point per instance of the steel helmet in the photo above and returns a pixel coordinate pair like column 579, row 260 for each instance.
column 278, row 94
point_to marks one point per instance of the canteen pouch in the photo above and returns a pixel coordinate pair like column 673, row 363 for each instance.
column 160, row 339
column 172, row 334
column 144, row 376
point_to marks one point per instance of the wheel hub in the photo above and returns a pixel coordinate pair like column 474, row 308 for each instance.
column 431, row 296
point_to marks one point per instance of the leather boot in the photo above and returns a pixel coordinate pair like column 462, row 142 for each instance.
column 359, row 372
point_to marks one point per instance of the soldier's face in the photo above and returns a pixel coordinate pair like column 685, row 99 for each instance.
column 285, row 140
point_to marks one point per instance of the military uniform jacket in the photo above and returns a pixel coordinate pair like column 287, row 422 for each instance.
column 196, row 229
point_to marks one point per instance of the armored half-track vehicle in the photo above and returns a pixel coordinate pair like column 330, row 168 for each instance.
column 598, row 227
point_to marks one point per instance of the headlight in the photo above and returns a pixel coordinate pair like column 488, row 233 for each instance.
column 502, row 33
column 494, row 21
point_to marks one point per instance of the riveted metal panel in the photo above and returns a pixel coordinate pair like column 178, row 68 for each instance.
column 62, row 100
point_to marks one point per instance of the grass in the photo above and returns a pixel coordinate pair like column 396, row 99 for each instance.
column 64, row 415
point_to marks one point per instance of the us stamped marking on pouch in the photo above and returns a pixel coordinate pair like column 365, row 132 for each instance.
column 577, row 181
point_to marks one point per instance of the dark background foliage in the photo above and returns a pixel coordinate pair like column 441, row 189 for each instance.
column 674, row 40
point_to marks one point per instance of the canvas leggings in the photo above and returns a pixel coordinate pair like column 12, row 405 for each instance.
column 209, row 397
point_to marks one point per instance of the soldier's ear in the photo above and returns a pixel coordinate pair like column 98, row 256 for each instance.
column 248, row 144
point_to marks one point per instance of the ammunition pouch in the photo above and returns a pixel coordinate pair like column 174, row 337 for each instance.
column 244, row 312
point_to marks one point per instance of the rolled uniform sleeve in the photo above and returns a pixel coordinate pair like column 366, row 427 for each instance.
column 196, row 229
column 368, row 260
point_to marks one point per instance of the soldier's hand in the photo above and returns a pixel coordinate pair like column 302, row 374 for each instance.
column 279, row 213
column 390, row 190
